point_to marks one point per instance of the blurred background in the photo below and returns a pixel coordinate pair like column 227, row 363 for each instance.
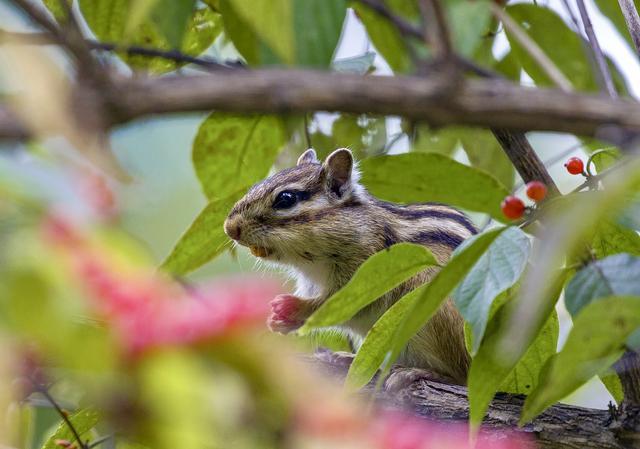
column 163, row 196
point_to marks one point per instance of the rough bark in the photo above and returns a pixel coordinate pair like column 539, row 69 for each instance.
column 559, row 427
column 524, row 159
column 628, row 368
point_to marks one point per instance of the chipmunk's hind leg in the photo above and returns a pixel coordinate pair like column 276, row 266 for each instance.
column 402, row 378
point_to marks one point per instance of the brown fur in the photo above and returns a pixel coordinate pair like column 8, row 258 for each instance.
column 324, row 239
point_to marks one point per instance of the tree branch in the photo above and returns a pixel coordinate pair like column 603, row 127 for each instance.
column 172, row 55
column 436, row 31
column 524, row 159
column 633, row 21
column 559, row 427
column 487, row 103
column 604, row 75
column 404, row 27
column 628, row 369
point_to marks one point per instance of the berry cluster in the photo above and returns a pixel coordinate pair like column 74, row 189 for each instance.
column 514, row 208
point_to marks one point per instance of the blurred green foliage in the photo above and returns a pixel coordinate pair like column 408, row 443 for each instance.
column 238, row 386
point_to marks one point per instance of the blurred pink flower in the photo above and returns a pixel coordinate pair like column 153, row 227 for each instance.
column 399, row 430
column 149, row 310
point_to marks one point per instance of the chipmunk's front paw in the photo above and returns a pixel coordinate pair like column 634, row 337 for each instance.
column 402, row 378
column 287, row 314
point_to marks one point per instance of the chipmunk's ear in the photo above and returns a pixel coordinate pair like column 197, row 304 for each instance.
column 308, row 157
column 338, row 167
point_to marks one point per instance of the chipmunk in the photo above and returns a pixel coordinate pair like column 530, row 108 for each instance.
column 321, row 223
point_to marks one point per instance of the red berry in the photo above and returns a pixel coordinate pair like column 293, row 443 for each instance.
column 512, row 207
column 574, row 165
column 536, row 190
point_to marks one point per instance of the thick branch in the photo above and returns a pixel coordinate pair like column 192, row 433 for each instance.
column 524, row 159
column 487, row 103
column 494, row 104
column 560, row 427
column 628, row 368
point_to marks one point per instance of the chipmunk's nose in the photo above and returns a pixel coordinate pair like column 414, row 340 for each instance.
column 232, row 228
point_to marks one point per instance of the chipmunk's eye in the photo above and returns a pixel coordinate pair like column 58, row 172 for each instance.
column 285, row 200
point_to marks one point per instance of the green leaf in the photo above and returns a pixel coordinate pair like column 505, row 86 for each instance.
column 108, row 19
column 231, row 152
column 488, row 376
column 244, row 38
column 525, row 375
column 498, row 269
column 359, row 65
column 616, row 275
column 379, row 274
column 484, row 152
column 547, row 29
column 317, row 25
column 205, row 238
column 490, row 371
column 83, row 421
column 303, row 32
column 390, row 334
column 611, row 238
column 509, row 66
column 385, row 37
column 595, row 342
column 272, row 20
column 378, row 341
column 444, row 140
column 171, row 17
column 57, row 10
column 613, row 385
column 433, row 177
column 469, row 22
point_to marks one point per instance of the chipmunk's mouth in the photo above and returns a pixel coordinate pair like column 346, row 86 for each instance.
column 260, row 251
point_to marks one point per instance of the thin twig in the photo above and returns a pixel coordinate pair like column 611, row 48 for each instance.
column 45, row 392
column 171, row 55
column 72, row 42
column 632, row 20
column 604, row 75
column 572, row 15
column 402, row 25
column 583, row 40
column 37, row 15
column 531, row 47
column 436, row 31
column 99, row 441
